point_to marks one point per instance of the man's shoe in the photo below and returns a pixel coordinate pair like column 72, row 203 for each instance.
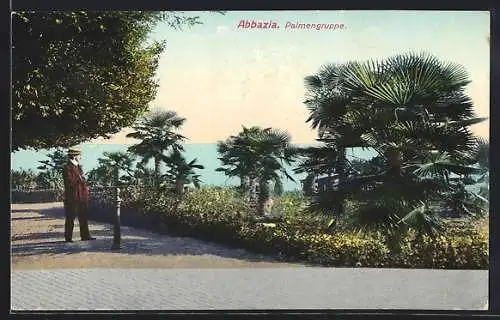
column 88, row 238
column 68, row 240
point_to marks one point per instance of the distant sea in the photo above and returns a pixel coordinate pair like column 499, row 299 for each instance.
column 206, row 155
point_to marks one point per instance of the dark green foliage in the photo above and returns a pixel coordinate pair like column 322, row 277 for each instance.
column 37, row 196
column 51, row 170
column 22, row 179
column 57, row 161
column 181, row 172
column 82, row 75
column 257, row 156
column 157, row 134
column 412, row 110
column 114, row 168
column 219, row 215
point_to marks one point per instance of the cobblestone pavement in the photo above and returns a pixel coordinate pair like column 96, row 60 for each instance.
column 287, row 288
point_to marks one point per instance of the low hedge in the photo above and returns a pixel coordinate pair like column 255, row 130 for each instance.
column 449, row 251
column 36, row 196
column 219, row 216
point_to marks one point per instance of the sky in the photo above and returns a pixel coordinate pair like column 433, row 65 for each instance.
column 221, row 77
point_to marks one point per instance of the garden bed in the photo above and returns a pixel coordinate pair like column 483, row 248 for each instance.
column 218, row 216
column 102, row 208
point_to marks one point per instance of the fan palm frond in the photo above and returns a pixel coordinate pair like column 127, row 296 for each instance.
column 439, row 164
column 423, row 220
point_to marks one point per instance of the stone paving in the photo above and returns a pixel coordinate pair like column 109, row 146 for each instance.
column 196, row 288
column 290, row 288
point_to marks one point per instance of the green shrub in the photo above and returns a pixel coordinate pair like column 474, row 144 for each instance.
column 290, row 205
column 445, row 252
column 219, row 216
column 37, row 196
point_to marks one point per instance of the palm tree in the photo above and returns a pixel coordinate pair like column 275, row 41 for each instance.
column 428, row 139
column 143, row 175
column 182, row 172
column 412, row 110
column 100, row 176
column 157, row 134
column 109, row 168
column 257, row 156
column 482, row 158
column 237, row 161
column 51, row 175
column 341, row 115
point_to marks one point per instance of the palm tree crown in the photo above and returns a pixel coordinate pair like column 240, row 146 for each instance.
column 257, row 156
column 412, row 110
column 113, row 167
column 157, row 135
column 182, row 172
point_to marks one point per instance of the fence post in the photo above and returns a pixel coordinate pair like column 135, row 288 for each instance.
column 116, row 230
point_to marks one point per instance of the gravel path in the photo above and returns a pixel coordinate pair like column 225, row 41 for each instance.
column 37, row 243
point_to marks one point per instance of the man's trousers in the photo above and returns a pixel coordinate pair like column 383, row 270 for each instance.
column 76, row 209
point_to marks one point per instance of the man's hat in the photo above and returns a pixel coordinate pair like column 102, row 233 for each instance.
column 74, row 152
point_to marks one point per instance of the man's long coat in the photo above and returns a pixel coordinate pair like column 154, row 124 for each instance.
column 75, row 188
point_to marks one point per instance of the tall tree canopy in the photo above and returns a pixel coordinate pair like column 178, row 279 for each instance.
column 82, row 75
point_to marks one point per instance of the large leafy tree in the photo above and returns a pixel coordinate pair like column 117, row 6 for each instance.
column 158, row 134
column 412, row 110
column 82, row 75
column 258, row 157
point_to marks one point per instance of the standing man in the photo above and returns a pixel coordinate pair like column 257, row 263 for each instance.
column 76, row 195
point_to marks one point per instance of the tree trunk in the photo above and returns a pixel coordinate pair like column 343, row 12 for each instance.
column 340, row 170
column 157, row 167
column 264, row 198
column 308, row 185
column 252, row 201
column 117, row 175
column 395, row 159
column 179, row 186
column 245, row 188
column 394, row 239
